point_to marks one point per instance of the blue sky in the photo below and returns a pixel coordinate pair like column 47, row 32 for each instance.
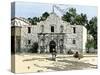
column 30, row 9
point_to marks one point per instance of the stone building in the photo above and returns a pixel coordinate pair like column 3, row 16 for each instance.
column 51, row 33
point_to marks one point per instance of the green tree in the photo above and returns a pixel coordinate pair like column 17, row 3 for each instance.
column 81, row 19
column 34, row 20
column 44, row 16
column 89, row 44
column 92, row 26
column 70, row 16
column 78, row 20
column 30, row 20
column 34, row 48
column 84, row 19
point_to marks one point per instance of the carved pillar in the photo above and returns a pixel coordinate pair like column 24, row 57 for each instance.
column 39, row 43
column 44, row 43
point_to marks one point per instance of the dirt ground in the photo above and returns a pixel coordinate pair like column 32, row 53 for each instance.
column 44, row 63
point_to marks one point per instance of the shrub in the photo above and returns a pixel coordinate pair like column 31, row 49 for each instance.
column 90, row 44
column 70, row 52
column 34, row 48
column 77, row 55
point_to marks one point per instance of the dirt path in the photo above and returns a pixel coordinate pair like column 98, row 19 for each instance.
column 41, row 63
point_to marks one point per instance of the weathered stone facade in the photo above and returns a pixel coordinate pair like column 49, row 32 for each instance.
column 51, row 31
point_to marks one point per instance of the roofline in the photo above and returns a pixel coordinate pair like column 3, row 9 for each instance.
column 19, row 19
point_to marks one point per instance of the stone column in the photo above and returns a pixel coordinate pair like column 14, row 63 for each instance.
column 58, row 50
column 64, row 50
column 38, row 44
column 39, row 49
column 48, row 41
column 47, row 49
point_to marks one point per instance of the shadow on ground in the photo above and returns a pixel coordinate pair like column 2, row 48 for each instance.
column 62, row 65
column 71, row 65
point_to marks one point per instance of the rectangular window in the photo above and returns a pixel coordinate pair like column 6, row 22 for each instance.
column 29, row 41
column 29, row 29
column 74, row 30
column 74, row 41
column 52, row 28
column 61, row 28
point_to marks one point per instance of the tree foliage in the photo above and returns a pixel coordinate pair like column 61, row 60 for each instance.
column 34, row 48
column 92, row 26
column 44, row 16
column 73, row 18
column 90, row 44
column 34, row 20
column 70, row 16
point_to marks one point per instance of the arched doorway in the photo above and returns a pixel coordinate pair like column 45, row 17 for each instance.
column 52, row 45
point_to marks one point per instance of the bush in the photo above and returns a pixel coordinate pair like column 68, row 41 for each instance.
column 77, row 55
column 90, row 44
column 34, row 48
column 70, row 52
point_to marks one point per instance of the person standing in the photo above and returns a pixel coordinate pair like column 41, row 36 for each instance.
column 54, row 54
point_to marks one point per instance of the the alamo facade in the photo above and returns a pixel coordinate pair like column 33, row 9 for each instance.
column 53, row 32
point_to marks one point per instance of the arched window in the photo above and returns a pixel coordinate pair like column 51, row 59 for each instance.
column 61, row 28
column 42, row 28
